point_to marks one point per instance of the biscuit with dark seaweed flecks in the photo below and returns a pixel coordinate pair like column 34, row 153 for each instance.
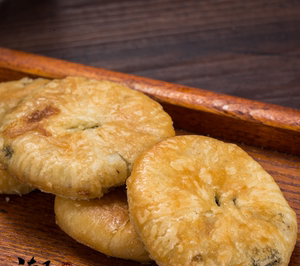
column 198, row 201
column 77, row 137
column 102, row 224
column 11, row 93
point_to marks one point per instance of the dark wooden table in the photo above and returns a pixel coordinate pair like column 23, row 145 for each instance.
column 248, row 49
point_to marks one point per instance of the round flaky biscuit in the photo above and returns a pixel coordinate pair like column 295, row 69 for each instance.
column 102, row 224
column 198, row 201
column 77, row 137
column 11, row 93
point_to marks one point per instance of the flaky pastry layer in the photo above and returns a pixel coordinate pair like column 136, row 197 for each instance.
column 77, row 137
column 198, row 201
column 102, row 224
column 12, row 92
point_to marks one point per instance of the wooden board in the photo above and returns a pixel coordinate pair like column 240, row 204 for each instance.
column 269, row 133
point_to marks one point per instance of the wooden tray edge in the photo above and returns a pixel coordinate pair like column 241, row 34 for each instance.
column 192, row 98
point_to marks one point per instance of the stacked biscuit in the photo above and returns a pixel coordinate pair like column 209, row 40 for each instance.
column 188, row 200
column 10, row 95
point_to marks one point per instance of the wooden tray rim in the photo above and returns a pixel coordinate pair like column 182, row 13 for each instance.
column 189, row 97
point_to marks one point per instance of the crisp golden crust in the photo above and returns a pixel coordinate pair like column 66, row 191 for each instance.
column 198, row 201
column 102, row 224
column 10, row 185
column 77, row 137
column 12, row 93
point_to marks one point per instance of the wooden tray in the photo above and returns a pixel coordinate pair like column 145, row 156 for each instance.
column 269, row 133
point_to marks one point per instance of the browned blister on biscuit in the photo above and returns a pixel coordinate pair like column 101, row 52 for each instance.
column 102, row 224
column 77, row 137
column 11, row 93
column 198, row 201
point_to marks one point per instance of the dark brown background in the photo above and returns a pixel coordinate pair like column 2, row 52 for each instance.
column 248, row 49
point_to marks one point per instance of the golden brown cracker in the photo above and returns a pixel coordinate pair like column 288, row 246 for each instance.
column 11, row 93
column 77, row 137
column 102, row 224
column 198, row 201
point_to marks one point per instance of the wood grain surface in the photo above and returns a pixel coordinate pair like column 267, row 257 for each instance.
column 248, row 49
